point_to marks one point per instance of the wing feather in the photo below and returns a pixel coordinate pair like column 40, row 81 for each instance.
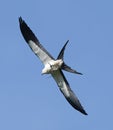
column 34, row 43
column 67, row 92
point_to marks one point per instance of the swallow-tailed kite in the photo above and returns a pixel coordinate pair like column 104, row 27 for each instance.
column 52, row 66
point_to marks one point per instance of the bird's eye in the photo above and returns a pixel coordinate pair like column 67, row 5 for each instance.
column 50, row 65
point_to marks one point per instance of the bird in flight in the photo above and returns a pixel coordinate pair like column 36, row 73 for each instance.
column 52, row 66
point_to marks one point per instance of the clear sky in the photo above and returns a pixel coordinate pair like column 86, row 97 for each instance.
column 30, row 101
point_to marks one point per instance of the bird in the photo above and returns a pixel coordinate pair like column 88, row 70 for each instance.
column 52, row 66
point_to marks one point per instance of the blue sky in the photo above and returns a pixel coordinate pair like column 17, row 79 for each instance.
column 31, row 101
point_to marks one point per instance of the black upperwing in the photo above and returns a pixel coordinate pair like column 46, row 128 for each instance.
column 67, row 92
column 33, row 42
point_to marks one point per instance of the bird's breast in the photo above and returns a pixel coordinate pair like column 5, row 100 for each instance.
column 52, row 66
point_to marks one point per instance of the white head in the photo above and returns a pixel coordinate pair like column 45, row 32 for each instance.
column 46, row 69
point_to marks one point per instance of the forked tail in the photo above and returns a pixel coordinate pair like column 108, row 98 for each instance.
column 64, row 66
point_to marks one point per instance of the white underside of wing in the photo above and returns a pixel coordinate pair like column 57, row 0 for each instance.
column 39, row 52
column 67, row 92
column 61, row 83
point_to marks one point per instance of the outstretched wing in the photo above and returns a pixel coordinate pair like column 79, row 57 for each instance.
column 67, row 92
column 34, row 43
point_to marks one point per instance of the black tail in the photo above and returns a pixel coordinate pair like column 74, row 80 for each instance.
column 69, row 69
column 61, row 54
column 64, row 66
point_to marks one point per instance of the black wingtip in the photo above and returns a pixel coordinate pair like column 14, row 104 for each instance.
column 20, row 20
column 26, row 31
column 83, row 112
column 24, row 28
column 76, row 104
